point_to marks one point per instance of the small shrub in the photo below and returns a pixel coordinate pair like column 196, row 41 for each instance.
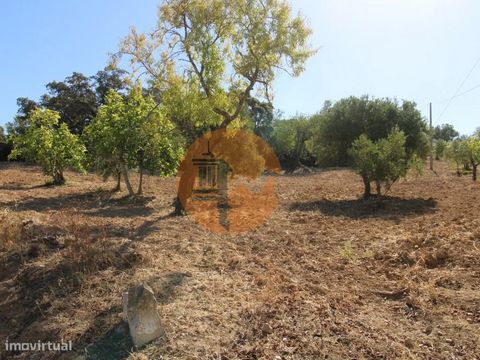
column 347, row 251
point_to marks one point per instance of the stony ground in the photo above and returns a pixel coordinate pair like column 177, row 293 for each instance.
column 328, row 276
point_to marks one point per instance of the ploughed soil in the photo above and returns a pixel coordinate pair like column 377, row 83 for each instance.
column 328, row 275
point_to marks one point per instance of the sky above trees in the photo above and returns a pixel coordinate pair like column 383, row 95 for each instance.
column 419, row 50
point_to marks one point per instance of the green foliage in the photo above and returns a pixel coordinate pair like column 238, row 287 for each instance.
column 457, row 152
column 261, row 114
column 132, row 133
column 20, row 122
column 473, row 149
column 337, row 126
column 49, row 144
column 185, row 107
column 216, row 53
column 5, row 146
column 289, row 141
column 109, row 79
column 383, row 161
column 472, row 145
column 445, row 132
column 465, row 151
column 74, row 99
column 439, row 148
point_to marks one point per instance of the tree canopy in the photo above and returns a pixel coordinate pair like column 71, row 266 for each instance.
column 76, row 98
column 457, row 152
column 445, row 132
column 338, row 125
column 132, row 132
column 289, row 140
column 472, row 145
column 49, row 144
column 383, row 161
column 220, row 52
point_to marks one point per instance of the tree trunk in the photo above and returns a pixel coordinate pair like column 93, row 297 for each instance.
column 140, row 183
column 378, row 187
column 127, row 180
column 474, row 172
column 179, row 209
column 119, row 181
column 458, row 169
column 58, row 178
column 141, row 156
column 367, row 192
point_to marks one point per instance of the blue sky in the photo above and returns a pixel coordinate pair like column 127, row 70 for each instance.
column 419, row 50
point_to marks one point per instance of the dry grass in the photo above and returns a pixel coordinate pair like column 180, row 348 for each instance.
column 327, row 275
column 10, row 230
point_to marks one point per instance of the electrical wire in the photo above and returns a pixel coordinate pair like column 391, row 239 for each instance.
column 456, row 94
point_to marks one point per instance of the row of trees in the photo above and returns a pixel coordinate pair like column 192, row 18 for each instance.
column 208, row 65
column 381, row 138
column 76, row 99
column 128, row 132
column 202, row 64
column 325, row 139
column 465, row 153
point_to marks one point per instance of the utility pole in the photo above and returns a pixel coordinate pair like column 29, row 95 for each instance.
column 431, row 139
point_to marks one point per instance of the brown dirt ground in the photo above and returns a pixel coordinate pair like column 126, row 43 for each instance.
column 327, row 276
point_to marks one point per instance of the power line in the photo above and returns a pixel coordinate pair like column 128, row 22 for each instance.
column 456, row 94
column 467, row 91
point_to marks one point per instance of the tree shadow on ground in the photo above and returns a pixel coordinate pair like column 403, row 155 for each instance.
column 151, row 225
column 97, row 203
column 164, row 286
column 22, row 187
column 28, row 283
column 117, row 344
column 378, row 207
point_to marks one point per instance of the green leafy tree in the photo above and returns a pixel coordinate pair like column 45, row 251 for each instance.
column 439, row 148
column 132, row 132
column 338, row 125
column 49, row 144
column 473, row 153
column 289, row 141
column 445, row 132
column 217, row 53
column 457, row 152
column 74, row 99
column 382, row 162
column 20, row 122
column 5, row 146
column 261, row 114
column 109, row 79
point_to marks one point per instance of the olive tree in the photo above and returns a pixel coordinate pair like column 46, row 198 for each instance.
column 289, row 140
column 457, row 152
column 382, row 162
column 132, row 132
column 337, row 125
column 473, row 154
column 49, row 144
column 216, row 53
